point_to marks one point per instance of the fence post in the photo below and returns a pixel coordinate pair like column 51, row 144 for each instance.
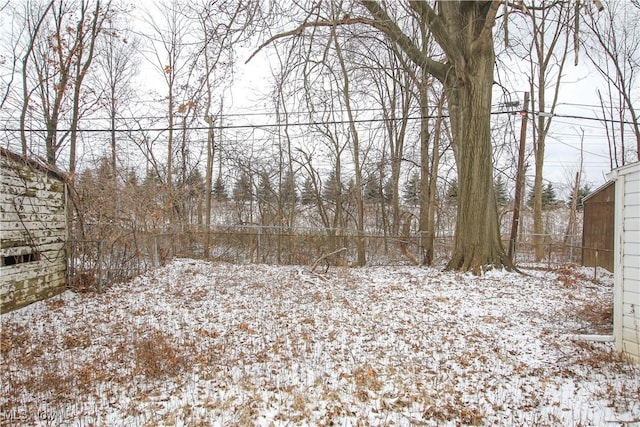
column 156, row 260
column 571, row 248
column 72, row 262
column 99, row 266
column 259, row 243
column 595, row 268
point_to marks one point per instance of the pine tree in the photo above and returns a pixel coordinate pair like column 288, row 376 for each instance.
column 219, row 191
column 372, row 190
column 584, row 191
column 549, row 199
column 452, row 191
column 242, row 189
column 502, row 198
column 330, row 189
column 265, row 192
column 288, row 193
column 549, row 196
column 307, row 195
column 388, row 191
column 412, row 190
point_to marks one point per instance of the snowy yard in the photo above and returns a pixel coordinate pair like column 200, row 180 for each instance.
column 198, row 343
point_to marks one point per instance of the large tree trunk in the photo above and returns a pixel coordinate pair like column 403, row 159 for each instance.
column 477, row 243
column 463, row 30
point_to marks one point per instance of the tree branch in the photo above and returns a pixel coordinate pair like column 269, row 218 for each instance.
column 489, row 22
column 300, row 29
column 384, row 23
column 324, row 257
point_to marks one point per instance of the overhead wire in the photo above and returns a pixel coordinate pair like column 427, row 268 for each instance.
column 223, row 126
column 248, row 126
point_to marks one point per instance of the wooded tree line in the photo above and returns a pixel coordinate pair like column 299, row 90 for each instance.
column 369, row 107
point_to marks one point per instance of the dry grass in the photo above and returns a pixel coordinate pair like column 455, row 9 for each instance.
column 215, row 344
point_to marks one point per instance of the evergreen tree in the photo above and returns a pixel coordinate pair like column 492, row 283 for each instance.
column 583, row 192
column 387, row 191
column 452, row 190
column 351, row 190
column 307, row 195
column 331, row 189
column 549, row 199
column 412, row 190
column 219, row 191
column 242, row 189
column 288, row 193
column 502, row 197
column 372, row 190
column 265, row 192
column 194, row 183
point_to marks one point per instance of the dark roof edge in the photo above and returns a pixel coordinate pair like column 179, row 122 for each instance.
column 598, row 190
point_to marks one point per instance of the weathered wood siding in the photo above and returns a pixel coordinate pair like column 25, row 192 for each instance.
column 33, row 232
column 626, row 322
column 598, row 228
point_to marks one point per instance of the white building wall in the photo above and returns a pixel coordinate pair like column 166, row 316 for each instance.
column 626, row 324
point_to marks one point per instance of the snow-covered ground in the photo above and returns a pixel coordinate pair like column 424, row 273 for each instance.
column 199, row 343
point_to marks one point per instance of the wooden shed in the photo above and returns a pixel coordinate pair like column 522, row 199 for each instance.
column 33, row 231
column 626, row 288
column 597, row 227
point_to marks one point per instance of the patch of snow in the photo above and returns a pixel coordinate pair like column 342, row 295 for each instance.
column 218, row 344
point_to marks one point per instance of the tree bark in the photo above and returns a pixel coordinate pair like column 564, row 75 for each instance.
column 477, row 243
column 463, row 30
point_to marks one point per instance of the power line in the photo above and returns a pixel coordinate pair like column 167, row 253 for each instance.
column 309, row 123
column 597, row 119
column 249, row 126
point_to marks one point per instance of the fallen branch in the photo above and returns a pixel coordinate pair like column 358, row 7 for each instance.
column 324, row 257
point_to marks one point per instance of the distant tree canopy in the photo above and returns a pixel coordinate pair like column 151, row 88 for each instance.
column 307, row 194
column 332, row 188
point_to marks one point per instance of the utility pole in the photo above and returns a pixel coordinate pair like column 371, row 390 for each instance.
column 519, row 178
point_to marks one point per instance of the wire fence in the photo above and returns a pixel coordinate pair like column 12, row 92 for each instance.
column 119, row 254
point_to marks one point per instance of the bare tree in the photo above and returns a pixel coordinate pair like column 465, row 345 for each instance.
column 88, row 29
column 463, row 30
column 60, row 59
column 170, row 30
column 10, row 50
column 546, row 52
column 117, row 63
column 222, row 26
column 34, row 18
column 355, row 145
column 614, row 49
